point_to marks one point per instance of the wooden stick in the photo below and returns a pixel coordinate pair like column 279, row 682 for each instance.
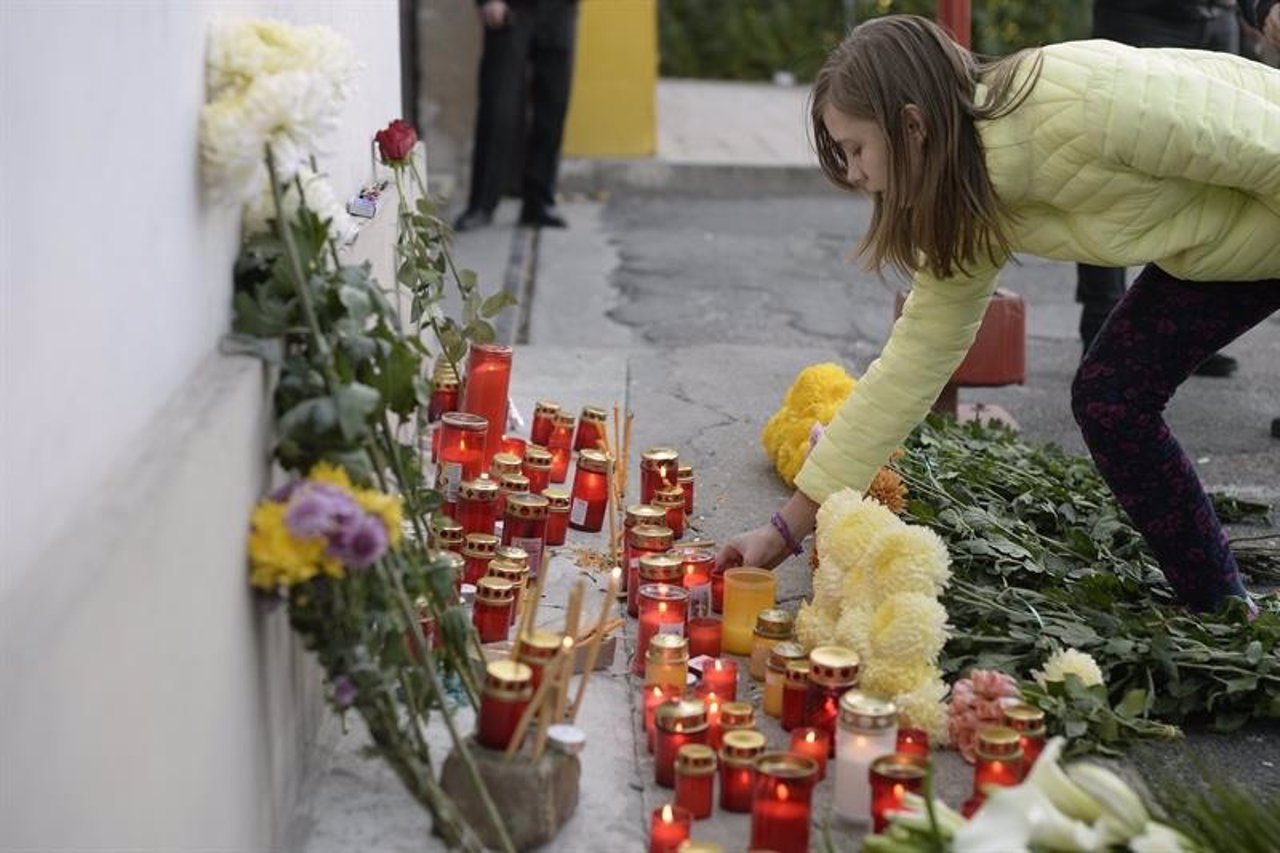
column 538, row 700
column 560, row 671
column 526, row 622
column 572, row 617
column 597, row 640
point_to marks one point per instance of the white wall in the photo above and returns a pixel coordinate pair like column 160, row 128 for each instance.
column 149, row 702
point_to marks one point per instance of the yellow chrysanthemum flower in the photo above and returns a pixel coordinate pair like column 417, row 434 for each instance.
column 814, row 397
column 845, row 536
column 828, row 585
column 1066, row 662
column 907, row 629
column 888, row 490
column 853, row 629
column 390, row 508
column 813, row 627
column 923, row 708
column 891, row 680
column 325, row 472
column 277, row 558
column 907, row 559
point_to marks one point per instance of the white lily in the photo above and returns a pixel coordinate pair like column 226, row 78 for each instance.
column 1158, row 838
column 1013, row 819
column 1052, row 781
column 949, row 820
column 1123, row 811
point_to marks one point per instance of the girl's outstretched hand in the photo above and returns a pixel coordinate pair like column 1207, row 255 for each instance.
column 762, row 547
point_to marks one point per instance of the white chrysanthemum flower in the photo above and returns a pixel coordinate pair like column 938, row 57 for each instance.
column 242, row 51
column 814, row 627
column 890, row 680
column 910, row 558
column 320, row 199
column 828, row 585
column 924, row 708
column 853, row 630
column 854, row 589
column 908, row 629
column 845, row 532
column 1066, row 662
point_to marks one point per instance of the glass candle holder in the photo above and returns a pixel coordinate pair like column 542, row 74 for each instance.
column 738, row 754
column 717, row 590
column 504, row 463
column 654, row 695
column 514, row 446
column 812, row 743
column 486, row 390
column 704, row 635
column 695, row 779
column 636, row 515
column 795, row 695
column 536, row 650
column 477, row 552
column 477, row 505
column 537, row 467
column 447, row 535
column 676, row 723
column 662, row 611
column 660, row 568
column 667, row 661
column 747, row 591
column 514, row 574
column 699, row 563
column 560, row 445
column 712, row 702
column 998, row 762
column 734, row 717
column 590, row 433
column 525, row 526
column 669, row 827
column 590, row 491
column 453, row 564
column 867, row 730
column 658, row 467
column 544, row 420
column 720, row 677
column 444, row 391
column 1028, row 722
column 782, row 807
column 832, row 671
column 495, row 599
column 643, row 540
column 891, row 777
column 512, row 554
column 684, row 476
column 508, row 687
column 775, row 675
column 773, row 626
column 461, row 456
column 557, row 514
column 670, row 499
column 508, row 485
column 912, row 741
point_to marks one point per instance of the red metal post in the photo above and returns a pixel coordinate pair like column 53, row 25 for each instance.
column 956, row 17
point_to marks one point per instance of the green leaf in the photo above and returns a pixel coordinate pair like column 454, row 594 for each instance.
column 467, row 279
column 318, row 414
column 399, row 379
column 1253, row 653
column 357, row 302
column 353, row 404
column 481, row 331
column 495, row 303
column 1134, row 703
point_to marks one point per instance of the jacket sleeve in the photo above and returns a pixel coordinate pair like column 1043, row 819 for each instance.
column 1255, row 12
column 938, row 324
column 1182, row 114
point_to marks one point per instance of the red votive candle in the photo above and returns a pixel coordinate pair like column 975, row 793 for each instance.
column 832, row 671
column 695, row 779
column 590, row 491
column 781, row 810
column 734, row 717
column 537, row 467
column 717, row 590
column 557, row 514
column 544, row 420
column 536, row 650
column 515, row 574
column 699, row 563
column 462, row 455
column 795, row 692
column 998, row 762
column 514, row 446
column 644, row 540
column 684, row 476
column 508, row 687
column 720, row 677
column 444, row 391
column 712, row 701
column 676, row 722
column 669, row 826
column 892, row 776
column 1028, row 722
column 447, row 535
column 657, row 469
column 487, row 386
column 812, row 743
column 495, row 599
column 636, row 515
column 590, row 434
column 704, row 635
column 655, row 695
column 560, row 445
column 912, row 741
column 477, row 552
column 670, row 499
column 662, row 610
column 525, row 526
column 738, row 756
column 477, row 505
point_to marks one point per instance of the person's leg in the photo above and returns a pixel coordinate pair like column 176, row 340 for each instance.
column 1098, row 290
column 1159, row 332
column 552, row 60
column 501, row 96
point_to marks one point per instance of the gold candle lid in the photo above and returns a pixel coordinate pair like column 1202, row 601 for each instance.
column 786, row 765
column 479, row 489
column 508, row 679
column 536, row 456
column 564, row 419
column 480, row 545
column 452, row 560
column 448, row 531
column 695, row 759
column 557, row 498
column 538, row 646
column 681, row 715
column 443, row 371
column 741, row 746
column 508, row 571
column 505, row 463
column 594, row 413
column 527, row 506
column 999, row 742
column 775, row 624
column 668, row 497
column 515, row 484
column 661, row 568
column 861, row 712
column 784, row 653
column 545, row 407
column 688, row 846
column 593, row 460
column 899, row 766
column 1024, row 718
column 651, row 537
column 644, row 514
column 833, row 666
column 513, row 554
column 464, row 421
column 739, row 714
column 495, row 590
column 684, row 473
column 798, row 673
column 657, row 457
column 667, row 648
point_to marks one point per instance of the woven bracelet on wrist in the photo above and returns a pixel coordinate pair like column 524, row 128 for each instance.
column 780, row 524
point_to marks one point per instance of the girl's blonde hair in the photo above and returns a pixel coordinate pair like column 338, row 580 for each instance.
column 946, row 215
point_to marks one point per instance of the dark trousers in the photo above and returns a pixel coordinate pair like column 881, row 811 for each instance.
column 1162, row 328
column 527, row 66
column 1098, row 289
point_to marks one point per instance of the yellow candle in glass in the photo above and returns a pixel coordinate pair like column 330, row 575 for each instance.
column 667, row 661
column 747, row 591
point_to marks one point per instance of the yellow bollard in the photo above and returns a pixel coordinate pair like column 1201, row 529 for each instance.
column 613, row 103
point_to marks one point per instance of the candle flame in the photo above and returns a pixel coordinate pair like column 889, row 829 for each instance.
column 811, row 737
column 667, row 815
column 567, row 642
column 662, row 607
column 783, row 793
column 898, row 790
column 616, row 574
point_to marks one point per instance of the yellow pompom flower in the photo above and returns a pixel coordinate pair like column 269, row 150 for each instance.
column 1066, row 662
column 907, row 559
column 277, row 558
column 888, row 490
column 908, row 629
column 814, row 627
column 828, row 585
column 336, row 475
column 891, row 680
column 814, row 397
column 845, row 536
column 853, row 629
column 923, row 708
column 389, row 508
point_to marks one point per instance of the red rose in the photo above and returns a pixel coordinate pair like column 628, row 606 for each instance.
column 396, row 141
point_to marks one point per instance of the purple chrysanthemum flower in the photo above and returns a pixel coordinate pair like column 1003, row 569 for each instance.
column 317, row 509
column 286, row 491
column 344, row 692
column 365, row 540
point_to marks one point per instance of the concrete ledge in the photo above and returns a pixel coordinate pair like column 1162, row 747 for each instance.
column 717, row 180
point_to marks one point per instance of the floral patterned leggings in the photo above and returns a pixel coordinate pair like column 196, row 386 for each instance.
column 1162, row 328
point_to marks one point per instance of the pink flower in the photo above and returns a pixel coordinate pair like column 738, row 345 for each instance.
column 977, row 702
column 992, row 684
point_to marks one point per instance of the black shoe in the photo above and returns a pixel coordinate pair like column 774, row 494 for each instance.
column 1275, row 427
column 472, row 219
column 547, row 217
column 1217, row 365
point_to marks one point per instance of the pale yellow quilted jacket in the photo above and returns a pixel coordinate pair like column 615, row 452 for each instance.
column 1119, row 157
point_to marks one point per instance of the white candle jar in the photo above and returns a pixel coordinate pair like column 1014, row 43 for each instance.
column 867, row 729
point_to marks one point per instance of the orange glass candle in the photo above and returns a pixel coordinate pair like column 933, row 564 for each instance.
column 795, row 693
column 695, row 779
column 662, row 611
column 477, row 552
column 645, row 540
column 704, row 635
column 738, row 754
column 590, row 491
column 684, row 476
column 658, row 467
column 812, row 743
column 666, row 662
column 669, row 827
column 832, row 671
column 998, row 762
column 537, row 649
column 557, row 514
column 590, row 434
column 775, row 675
column 525, row 526
column 560, row 446
column 486, row 390
column 654, row 695
column 676, row 723
column 1028, row 722
column 913, row 741
column 463, row 439
column 544, row 419
column 495, row 599
column 720, row 677
column 782, row 808
column 699, row 563
column 892, row 776
column 508, row 687
column 670, row 499
column 537, row 467
column 477, row 505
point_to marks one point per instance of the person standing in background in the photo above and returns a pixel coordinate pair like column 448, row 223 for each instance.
column 527, row 62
